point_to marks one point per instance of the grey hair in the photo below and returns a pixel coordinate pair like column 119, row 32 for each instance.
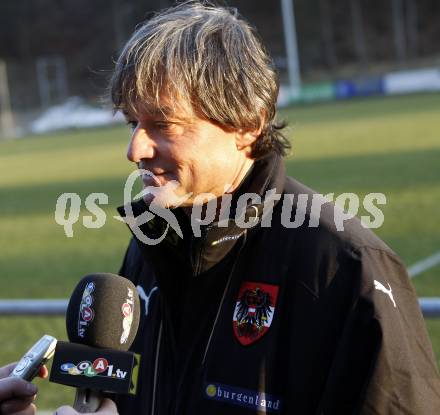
column 209, row 62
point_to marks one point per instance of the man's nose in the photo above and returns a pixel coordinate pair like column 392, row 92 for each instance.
column 141, row 146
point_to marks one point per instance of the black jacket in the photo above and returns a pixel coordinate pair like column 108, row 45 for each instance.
column 276, row 320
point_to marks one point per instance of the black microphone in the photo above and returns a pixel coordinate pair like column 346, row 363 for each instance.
column 102, row 320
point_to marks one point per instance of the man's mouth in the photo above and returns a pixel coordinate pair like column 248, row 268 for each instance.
column 150, row 179
column 154, row 178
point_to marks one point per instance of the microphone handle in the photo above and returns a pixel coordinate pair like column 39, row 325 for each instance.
column 87, row 400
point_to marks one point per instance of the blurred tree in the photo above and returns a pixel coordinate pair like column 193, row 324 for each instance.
column 327, row 33
column 358, row 32
column 412, row 27
column 399, row 30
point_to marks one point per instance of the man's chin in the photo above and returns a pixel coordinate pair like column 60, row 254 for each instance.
column 164, row 200
column 168, row 196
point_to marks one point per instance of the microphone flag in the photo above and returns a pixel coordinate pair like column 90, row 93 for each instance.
column 106, row 370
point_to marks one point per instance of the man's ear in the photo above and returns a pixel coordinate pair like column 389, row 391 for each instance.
column 245, row 138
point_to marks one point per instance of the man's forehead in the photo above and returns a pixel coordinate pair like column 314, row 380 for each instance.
column 146, row 110
column 162, row 111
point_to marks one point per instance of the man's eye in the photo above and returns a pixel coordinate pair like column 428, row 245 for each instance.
column 132, row 124
column 163, row 126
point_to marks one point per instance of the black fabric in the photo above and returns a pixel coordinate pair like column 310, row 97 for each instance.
column 336, row 344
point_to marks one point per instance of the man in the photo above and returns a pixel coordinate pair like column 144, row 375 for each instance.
column 248, row 312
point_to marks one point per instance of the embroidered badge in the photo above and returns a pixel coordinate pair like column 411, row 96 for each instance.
column 254, row 311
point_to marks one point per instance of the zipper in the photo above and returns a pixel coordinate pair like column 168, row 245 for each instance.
column 156, row 369
column 208, row 344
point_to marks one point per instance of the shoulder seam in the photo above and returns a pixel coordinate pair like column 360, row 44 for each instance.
column 389, row 252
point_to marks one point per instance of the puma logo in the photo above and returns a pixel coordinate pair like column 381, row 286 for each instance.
column 379, row 286
column 146, row 297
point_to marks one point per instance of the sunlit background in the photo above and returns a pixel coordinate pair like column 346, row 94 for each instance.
column 360, row 82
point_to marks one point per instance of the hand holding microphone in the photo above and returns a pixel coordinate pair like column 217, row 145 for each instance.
column 102, row 320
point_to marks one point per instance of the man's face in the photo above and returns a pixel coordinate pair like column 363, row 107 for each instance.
column 198, row 155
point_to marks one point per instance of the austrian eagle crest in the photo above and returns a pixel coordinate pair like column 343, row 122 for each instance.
column 254, row 311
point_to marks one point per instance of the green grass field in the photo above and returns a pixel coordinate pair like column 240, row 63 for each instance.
column 378, row 145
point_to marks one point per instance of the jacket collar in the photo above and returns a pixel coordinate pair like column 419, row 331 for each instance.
column 266, row 177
